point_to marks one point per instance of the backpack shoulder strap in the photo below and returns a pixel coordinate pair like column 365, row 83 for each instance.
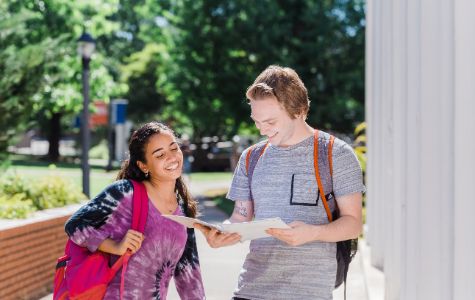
column 140, row 206
column 139, row 219
column 253, row 154
column 252, row 157
column 317, row 172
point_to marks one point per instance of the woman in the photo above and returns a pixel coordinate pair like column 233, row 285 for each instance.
column 166, row 249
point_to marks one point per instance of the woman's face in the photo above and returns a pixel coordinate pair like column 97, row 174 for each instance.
column 164, row 159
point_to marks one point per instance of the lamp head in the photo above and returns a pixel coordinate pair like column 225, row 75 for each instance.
column 86, row 45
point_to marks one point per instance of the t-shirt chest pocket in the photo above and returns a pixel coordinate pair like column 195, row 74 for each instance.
column 304, row 190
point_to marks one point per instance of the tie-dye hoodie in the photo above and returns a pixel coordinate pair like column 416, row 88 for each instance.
column 168, row 250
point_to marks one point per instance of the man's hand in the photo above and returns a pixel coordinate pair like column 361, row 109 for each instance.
column 300, row 233
column 216, row 238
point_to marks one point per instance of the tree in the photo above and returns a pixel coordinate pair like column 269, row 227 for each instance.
column 56, row 25
column 22, row 66
column 219, row 47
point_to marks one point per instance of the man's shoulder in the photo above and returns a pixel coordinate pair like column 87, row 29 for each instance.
column 339, row 145
column 257, row 146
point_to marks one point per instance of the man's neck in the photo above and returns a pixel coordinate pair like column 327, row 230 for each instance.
column 302, row 131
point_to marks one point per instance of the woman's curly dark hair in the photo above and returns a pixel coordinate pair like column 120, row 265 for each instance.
column 137, row 146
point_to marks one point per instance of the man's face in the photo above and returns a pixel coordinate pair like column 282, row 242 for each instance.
column 272, row 120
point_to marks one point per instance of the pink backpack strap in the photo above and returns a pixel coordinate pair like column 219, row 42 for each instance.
column 139, row 218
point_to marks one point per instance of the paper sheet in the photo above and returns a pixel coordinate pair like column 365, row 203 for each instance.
column 247, row 230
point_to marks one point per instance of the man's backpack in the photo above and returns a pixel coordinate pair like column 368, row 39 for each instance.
column 346, row 250
column 84, row 275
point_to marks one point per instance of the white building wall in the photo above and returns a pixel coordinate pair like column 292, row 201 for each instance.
column 420, row 103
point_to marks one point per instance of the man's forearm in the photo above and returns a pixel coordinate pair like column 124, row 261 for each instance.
column 236, row 218
column 243, row 212
column 344, row 228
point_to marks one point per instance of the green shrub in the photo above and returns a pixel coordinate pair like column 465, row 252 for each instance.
column 55, row 191
column 19, row 197
column 15, row 207
column 359, row 145
column 15, row 184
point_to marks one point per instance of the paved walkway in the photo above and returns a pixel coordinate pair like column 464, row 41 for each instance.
column 220, row 267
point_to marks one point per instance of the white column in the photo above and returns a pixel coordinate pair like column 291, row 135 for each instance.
column 408, row 256
column 375, row 195
column 435, row 218
column 464, row 150
column 421, row 146
column 392, row 261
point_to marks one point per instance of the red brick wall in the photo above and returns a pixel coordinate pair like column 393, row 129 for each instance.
column 28, row 256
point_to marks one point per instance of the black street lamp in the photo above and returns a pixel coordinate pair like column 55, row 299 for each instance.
column 86, row 46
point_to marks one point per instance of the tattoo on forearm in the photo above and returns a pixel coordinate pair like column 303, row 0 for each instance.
column 241, row 209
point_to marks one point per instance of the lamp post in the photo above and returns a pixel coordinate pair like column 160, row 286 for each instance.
column 86, row 46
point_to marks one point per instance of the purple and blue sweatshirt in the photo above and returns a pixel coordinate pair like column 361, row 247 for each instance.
column 168, row 250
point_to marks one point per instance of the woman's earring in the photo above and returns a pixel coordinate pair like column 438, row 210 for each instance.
column 146, row 173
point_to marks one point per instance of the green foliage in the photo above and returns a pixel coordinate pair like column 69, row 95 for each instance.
column 22, row 66
column 41, row 71
column 141, row 74
column 19, row 196
column 219, row 47
column 15, row 184
column 359, row 144
column 16, row 206
column 187, row 62
column 55, row 191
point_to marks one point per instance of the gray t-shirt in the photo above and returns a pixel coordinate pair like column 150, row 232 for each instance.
column 284, row 185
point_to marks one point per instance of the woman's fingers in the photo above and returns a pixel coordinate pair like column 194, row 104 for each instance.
column 134, row 233
column 219, row 239
column 133, row 245
column 134, row 240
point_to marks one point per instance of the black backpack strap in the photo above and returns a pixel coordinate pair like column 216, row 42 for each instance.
column 252, row 157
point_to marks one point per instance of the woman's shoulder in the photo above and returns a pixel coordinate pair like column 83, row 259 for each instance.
column 101, row 207
column 118, row 189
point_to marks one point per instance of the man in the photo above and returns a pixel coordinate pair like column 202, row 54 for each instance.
column 297, row 263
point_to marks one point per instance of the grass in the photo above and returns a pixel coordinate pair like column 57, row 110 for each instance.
column 99, row 178
column 211, row 176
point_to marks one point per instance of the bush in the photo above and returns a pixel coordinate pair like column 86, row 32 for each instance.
column 55, row 191
column 19, row 197
column 15, row 207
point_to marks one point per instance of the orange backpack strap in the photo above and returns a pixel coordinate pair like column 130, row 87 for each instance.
column 317, row 173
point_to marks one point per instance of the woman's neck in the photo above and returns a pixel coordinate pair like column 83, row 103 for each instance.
column 162, row 189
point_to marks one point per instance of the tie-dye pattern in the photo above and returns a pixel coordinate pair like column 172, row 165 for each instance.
column 168, row 250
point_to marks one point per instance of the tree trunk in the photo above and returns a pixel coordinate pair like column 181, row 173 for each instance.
column 54, row 136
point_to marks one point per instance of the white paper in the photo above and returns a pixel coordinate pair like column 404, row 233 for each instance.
column 188, row 222
column 247, row 230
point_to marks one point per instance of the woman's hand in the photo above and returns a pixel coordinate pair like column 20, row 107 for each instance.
column 132, row 240
column 216, row 238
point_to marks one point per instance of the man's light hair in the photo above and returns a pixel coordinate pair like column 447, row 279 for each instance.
column 285, row 85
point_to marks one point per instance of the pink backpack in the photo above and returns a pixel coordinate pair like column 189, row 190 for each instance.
column 84, row 275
